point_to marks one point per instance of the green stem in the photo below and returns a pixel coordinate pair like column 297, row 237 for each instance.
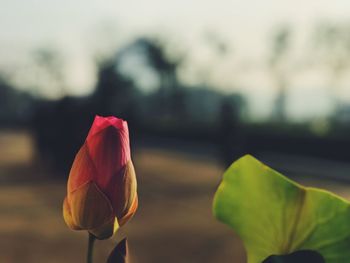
column 90, row 248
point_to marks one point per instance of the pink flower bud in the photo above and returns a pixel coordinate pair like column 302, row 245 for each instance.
column 101, row 190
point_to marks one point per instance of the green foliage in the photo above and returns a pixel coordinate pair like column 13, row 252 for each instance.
column 276, row 216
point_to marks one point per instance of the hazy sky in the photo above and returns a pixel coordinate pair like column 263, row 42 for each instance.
column 75, row 29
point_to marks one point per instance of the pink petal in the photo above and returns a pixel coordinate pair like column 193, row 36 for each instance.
column 109, row 150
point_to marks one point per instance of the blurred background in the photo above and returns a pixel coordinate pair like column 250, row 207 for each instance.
column 200, row 83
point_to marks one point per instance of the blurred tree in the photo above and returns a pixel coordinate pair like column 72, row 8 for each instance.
column 331, row 48
column 231, row 137
column 50, row 65
column 170, row 95
column 16, row 106
column 60, row 127
column 278, row 60
column 115, row 93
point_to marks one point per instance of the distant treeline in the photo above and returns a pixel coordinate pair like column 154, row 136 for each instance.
column 173, row 110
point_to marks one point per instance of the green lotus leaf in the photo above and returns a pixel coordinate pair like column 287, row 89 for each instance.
column 275, row 216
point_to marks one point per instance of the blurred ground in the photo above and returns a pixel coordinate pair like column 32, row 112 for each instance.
column 173, row 223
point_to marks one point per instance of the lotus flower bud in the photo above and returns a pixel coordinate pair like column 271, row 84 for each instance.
column 101, row 189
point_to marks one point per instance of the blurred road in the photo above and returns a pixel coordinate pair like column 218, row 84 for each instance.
column 173, row 223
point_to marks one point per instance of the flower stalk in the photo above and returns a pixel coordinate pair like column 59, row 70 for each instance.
column 90, row 249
